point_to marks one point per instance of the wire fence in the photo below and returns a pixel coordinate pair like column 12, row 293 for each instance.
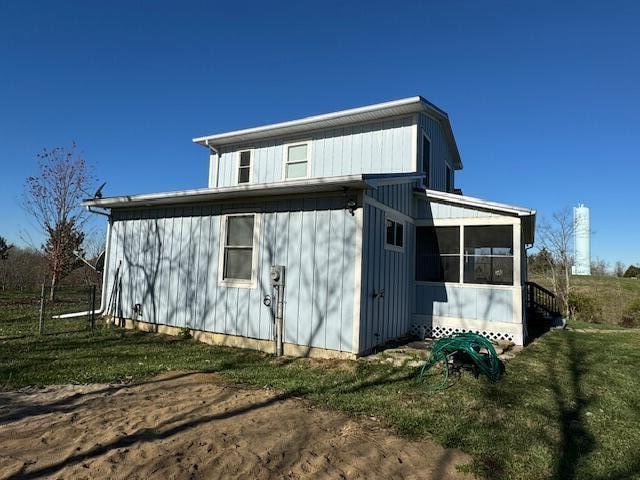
column 32, row 312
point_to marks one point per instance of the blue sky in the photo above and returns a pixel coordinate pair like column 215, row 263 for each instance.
column 543, row 96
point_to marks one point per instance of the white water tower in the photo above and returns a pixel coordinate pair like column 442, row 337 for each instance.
column 582, row 241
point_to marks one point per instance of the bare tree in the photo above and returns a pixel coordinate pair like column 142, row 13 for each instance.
column 618, row 269
column 556, row 237
column 599, row 266
column 53, row 198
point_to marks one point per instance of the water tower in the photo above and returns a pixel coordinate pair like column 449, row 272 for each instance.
column 582, row 241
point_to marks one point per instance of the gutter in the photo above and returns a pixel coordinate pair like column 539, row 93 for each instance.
column 103, row 296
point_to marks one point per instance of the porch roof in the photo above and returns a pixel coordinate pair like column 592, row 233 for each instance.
column 527, row 215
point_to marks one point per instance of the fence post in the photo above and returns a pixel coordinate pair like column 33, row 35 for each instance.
column 93, row 307
column 41, row 319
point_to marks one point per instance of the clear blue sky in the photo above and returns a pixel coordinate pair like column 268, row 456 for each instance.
column 544, row 96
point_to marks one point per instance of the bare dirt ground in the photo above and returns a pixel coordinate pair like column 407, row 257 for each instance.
column 193, row 425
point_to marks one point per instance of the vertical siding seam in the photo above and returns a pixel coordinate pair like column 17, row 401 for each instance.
column 357, row 290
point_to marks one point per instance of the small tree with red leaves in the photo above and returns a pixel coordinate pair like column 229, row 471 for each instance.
column 53, row 198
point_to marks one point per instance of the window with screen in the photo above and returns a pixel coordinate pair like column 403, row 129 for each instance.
column 488, row 254
column 244, row 167
column 296, row 160
column 238, row 251
column 438, row 254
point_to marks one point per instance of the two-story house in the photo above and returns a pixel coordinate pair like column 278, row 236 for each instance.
column 361, row 208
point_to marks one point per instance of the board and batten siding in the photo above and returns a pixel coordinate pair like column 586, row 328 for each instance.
column 384, row 317
column 397, row 196
column 169, row 265
column 381, row 147
column 440, row 151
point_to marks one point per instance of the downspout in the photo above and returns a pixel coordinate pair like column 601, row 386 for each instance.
column 103, row 296
column 217, row 154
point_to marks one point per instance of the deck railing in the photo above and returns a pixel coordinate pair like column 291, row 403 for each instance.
column 539, row 297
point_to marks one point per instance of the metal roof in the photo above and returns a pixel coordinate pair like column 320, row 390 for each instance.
column 527, row 215
column 289, row 187
column 367, row 113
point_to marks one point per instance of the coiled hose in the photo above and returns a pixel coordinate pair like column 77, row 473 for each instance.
column 470, row 344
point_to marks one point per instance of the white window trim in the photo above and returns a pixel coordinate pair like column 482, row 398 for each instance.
column 237, row 283
column 396, row 219
column 285, row 159
column 251, row 161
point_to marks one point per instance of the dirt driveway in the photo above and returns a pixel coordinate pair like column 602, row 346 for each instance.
column 193, row 425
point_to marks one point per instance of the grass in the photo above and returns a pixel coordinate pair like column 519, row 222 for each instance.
column 569, row 406
column 611, row 294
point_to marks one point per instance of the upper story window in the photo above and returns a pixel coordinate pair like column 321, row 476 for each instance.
column 426, row 159
column 296, row 160
column 244, row 167
column 394, row 234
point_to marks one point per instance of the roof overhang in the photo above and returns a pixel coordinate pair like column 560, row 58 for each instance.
column 527, row 215
column 341, row 118
column 290, row 187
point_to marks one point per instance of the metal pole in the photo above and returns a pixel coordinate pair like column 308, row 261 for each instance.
column 279, row 323
column 93, row 307
column 41, row 319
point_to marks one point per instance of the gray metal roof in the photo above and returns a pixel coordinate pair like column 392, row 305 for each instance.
column 340, row 118
column 289, row 187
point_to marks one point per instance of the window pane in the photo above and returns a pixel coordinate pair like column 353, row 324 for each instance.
column 436, row 241
column 237, row 263
column 297, row 170
column 390, row 232
column 399, row 234
column 426, row 160
column 245, row 158
column 435, row 268
column 297, row 153
column 488, row 240
column 240, row 231
column 243, row 175
column 438, row 254
column 488, row 270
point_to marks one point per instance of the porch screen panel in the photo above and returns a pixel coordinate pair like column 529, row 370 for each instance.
column 438, row 254
column 488, row 254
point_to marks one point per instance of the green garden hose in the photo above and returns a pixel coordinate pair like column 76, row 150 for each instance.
column 470, row 344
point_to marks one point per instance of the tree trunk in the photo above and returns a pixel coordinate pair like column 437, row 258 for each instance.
column 54, row 284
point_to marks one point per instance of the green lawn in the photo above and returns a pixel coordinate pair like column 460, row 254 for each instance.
column 568, row 407
column 611, row 294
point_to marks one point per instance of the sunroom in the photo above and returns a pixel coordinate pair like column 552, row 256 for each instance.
column 470, row 272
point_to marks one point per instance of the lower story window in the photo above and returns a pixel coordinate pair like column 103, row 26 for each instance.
column 394, row 234
column 438, row 254
column 488, row 254
column 238, row 249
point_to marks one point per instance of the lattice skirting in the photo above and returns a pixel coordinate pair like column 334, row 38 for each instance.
column 423, row 331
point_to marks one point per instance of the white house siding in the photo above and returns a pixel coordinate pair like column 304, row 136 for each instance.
column 170, row 265
column 388, row 317
column 380, row 147
column 440, row 151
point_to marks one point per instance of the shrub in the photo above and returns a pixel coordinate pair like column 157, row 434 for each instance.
column 584, row 308
column 184, row 333
column 631, row 315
